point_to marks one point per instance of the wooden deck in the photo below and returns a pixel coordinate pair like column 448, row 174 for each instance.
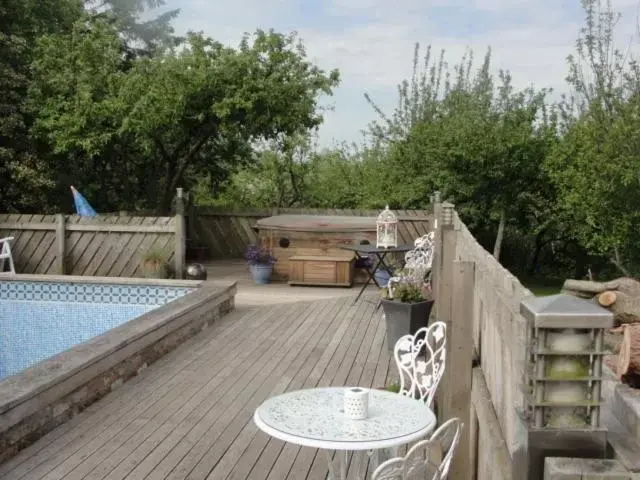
column 227, row 271
column 190, row 414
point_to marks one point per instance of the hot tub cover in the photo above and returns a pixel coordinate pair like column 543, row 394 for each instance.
column 317, row 223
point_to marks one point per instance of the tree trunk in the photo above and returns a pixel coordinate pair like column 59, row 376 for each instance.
column 533, row 266
column 500, row 236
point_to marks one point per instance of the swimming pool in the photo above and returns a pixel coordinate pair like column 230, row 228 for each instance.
column 41, row 319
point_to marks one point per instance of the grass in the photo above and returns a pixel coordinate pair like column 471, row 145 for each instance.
column 542, row 287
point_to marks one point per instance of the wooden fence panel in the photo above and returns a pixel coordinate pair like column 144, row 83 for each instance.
column 106, row 245
column 228, row 233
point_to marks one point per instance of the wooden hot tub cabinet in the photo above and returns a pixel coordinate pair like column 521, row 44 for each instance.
column 324, row 271
column 311, row 235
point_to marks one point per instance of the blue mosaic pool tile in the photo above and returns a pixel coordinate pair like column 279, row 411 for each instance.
column 90, row 293
column 41, row 319
column 31, row 331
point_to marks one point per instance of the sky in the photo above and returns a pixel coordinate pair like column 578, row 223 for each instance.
column 371, row 42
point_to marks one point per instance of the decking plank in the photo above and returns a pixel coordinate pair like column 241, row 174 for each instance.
column 173, row 447
column 333, row 376
column 238, row 467
column 287, row 459
column 236, row 438
column 189, row 415
column 126, row 447
column 207, row 432
column 83, row 463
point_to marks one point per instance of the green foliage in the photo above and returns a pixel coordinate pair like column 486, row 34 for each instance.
column 393, row 387
column 23, row 176
column 595, row 167
column 92, row 94
column 154, row 262
column 155, row 255
column 136, row 130
column 408, row 293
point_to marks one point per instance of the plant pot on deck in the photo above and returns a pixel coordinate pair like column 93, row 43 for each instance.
column 261, row 273
column 154, row 269
column 404, row 318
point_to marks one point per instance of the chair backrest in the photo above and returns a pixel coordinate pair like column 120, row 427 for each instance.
column 420, row 258
column 426, row 460
column 420, row 359
column 5, row 255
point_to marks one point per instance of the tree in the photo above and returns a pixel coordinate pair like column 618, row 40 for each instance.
column 137, row 130
column 595, row 166
column 278, row 177
column 23, row 174
column 481, row 145
column 141, row 37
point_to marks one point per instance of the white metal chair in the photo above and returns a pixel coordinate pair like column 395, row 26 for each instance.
column 426, row 460
column 5, row 255
column 417, row 263
column 420, row 359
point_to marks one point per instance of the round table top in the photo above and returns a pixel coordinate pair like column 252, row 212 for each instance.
column 315, row 418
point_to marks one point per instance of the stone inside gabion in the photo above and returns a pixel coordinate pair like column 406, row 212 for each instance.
column 565, row 417
column 196, row 271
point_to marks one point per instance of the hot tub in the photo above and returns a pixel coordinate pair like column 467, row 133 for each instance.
column 291, row 235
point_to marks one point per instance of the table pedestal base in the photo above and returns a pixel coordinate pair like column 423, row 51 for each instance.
column 339, row 462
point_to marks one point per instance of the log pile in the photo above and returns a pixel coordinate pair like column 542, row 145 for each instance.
column 622, row 297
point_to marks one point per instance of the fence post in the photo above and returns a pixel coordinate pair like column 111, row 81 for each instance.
column 60, row 244
column 444, row 294
column 459, row 373
column 179, row 236
column 437, row 249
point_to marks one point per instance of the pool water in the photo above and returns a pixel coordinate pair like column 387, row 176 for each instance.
column 39, row 320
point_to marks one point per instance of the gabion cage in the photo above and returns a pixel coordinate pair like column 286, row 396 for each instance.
column 565, row 347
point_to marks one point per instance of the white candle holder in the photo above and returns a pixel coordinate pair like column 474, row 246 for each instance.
column 356, row 403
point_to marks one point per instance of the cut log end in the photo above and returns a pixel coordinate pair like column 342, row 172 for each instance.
column 608, row 298
column 629, row 354
column 624, row 355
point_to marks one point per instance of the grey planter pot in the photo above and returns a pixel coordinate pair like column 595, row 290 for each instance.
column 404, row 318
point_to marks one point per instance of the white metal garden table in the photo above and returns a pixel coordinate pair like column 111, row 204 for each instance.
column 315, row 418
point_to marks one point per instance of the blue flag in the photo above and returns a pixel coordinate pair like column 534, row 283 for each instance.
column 82, row 206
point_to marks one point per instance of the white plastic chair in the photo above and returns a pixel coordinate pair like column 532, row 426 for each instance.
column 5, row 255
column 420, row 359
column 426, row 460
column 417, row 263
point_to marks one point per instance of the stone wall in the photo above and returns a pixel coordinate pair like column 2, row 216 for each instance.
column 39, row 399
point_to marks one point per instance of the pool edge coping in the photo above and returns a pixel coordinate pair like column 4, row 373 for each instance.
column 159, row 282
column 61, row 367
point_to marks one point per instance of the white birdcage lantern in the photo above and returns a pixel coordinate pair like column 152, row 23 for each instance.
column 387, row 229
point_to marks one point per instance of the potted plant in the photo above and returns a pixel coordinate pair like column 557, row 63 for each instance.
column 153, row 262
column 260, row 262
column 406, row 307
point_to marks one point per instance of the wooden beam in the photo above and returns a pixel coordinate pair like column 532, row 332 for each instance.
column 180, row 243
column 88, row 227
column 457, row 398
column 444, row 300
column 27, row 226
column 61, row 251
column 113, row 228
